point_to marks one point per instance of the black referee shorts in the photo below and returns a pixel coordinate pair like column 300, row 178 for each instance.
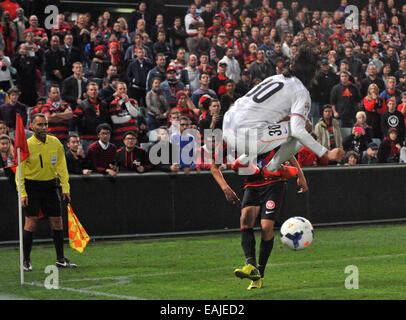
column 44, row 195
column 270, row 198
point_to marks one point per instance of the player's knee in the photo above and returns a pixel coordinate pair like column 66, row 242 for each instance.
column 30, row 223
column 56, row 223
column 267, row 232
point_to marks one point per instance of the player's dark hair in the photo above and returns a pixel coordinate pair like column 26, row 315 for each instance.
column 304, row 65
column 37, row 115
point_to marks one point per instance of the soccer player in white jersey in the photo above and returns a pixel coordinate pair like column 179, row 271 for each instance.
column 273, row 115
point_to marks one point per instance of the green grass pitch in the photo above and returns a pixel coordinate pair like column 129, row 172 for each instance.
column 201, row 268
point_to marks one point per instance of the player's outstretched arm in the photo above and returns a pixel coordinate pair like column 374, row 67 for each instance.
column 228, row 192
column 301, row 179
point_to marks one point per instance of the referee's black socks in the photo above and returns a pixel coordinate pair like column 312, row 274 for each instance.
column 248, row 245
column 27, row 244
column 57, row 235
column 265, row 249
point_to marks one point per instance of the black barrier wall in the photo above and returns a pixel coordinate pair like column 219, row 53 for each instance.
column 136, row 204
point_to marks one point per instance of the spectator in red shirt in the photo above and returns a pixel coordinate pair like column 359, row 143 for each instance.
column 402, row 106
column 374, row 106
column 102, row 153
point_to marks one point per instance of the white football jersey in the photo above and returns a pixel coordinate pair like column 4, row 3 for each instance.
column 271, row 101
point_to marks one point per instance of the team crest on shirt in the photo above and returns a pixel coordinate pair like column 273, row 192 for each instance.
column 393, row 121
column 54, row 159
column 270, row 205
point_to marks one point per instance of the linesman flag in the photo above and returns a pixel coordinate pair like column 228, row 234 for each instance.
column 78, row 237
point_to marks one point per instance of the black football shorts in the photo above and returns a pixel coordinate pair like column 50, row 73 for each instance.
column 270, row 198
column 44, row 195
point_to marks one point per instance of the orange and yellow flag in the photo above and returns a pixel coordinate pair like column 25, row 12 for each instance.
column 78, row 237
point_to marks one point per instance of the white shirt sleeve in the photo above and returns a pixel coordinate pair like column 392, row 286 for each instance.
column 299, row 113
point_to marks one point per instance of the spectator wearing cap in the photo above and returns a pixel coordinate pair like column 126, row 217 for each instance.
column 130, row 157
column 116, row 57
column 357, row 141
column 99, row 65
column 370, row 155
column 245, row 84
column 218, row 83
column 137, row 73
column 226, row 16
column 389, row 149
column 339, row 34
column 192, row 21
column 157, row 106
column 180, row 64
column 213, row 119
column 217, row 51
column 204, row 103
column 204, row 89
column 171, row 86
column 96, row 39
column 74, row 87
column 326, row 79
column 216, row 28
column 186, row 107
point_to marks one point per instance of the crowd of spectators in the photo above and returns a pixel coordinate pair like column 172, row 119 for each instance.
column 113, row 89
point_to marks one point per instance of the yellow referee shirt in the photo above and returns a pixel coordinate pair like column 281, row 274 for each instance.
column 45, row 162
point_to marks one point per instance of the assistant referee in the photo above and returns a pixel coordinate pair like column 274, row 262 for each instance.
column 40, row 189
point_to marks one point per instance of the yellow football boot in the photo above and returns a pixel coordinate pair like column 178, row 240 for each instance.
column 249, row 272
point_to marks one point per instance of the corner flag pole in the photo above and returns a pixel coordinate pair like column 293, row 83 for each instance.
column 20, row 216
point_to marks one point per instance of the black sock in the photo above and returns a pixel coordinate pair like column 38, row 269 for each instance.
column 248, row 245
column 265, row 250
column 57, row 235
column 27, row 244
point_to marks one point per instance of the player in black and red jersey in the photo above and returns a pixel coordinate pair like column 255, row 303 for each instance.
column 264, row 199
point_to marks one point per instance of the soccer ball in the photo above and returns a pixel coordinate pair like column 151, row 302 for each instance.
column 297, row 233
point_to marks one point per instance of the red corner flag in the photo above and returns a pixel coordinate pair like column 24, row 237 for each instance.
column 20, row 140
